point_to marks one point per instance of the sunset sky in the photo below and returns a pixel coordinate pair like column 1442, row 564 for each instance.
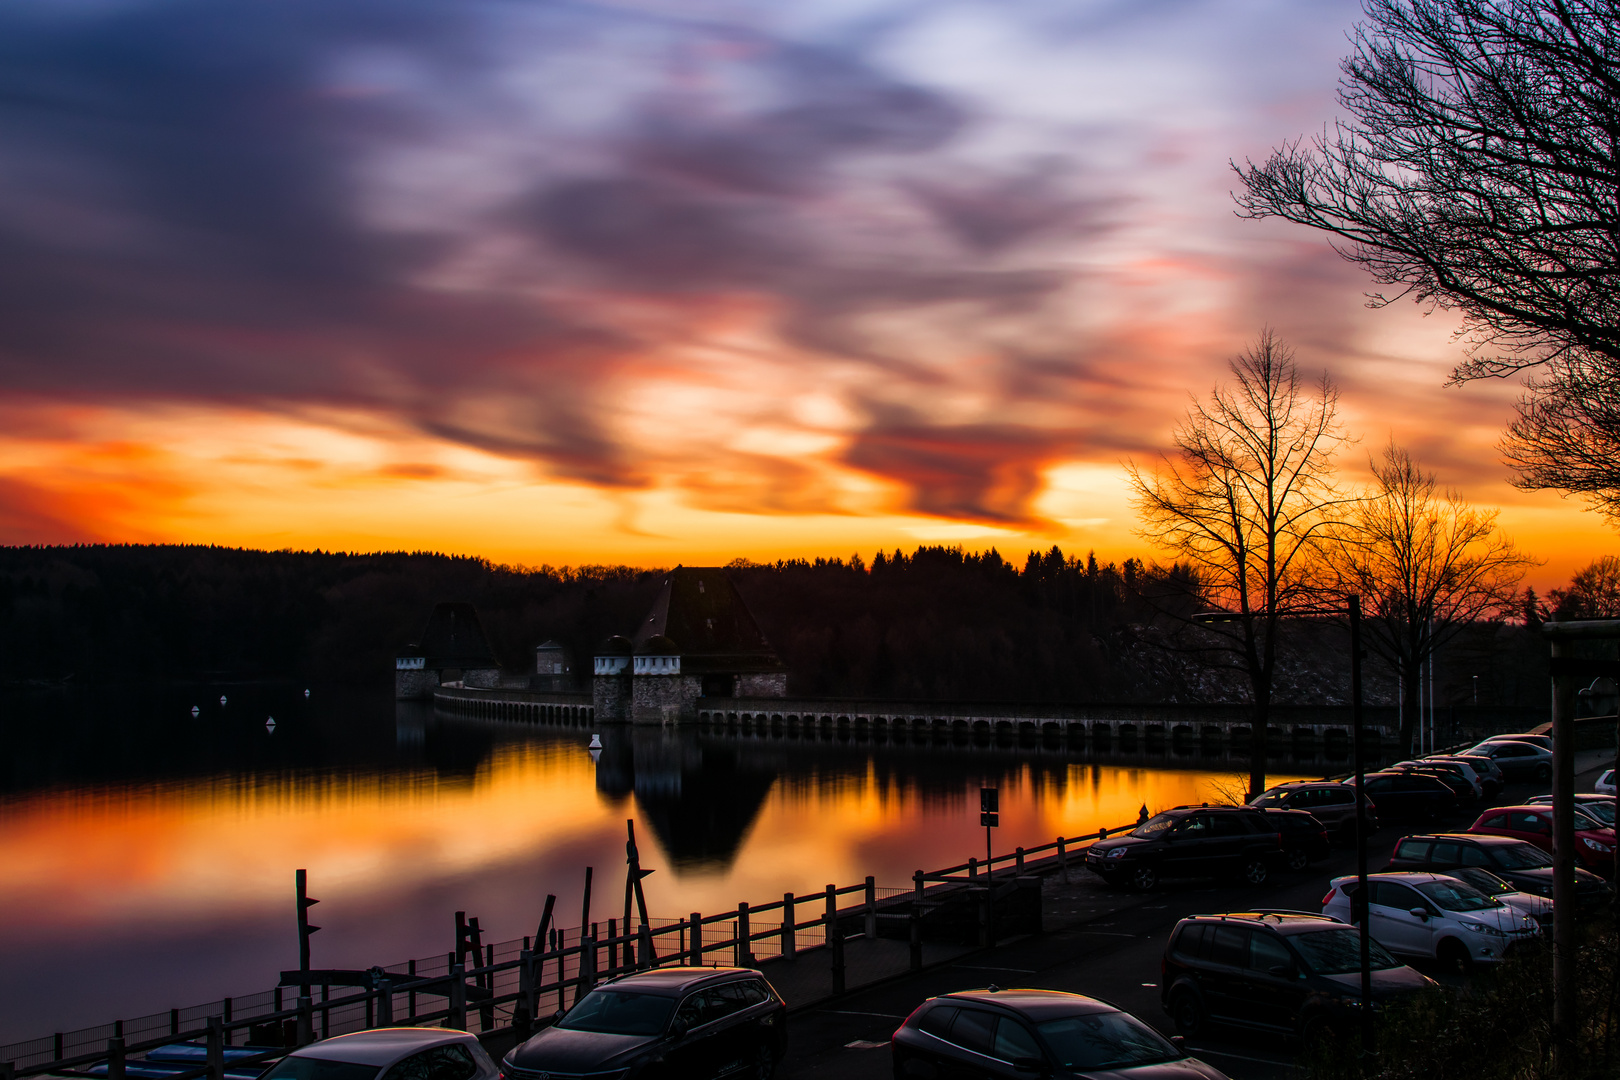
column 668, row 280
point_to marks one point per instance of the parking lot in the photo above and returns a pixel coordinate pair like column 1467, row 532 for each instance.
column 1107, row 943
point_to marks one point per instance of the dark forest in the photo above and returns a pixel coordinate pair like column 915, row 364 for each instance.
column 938, row 623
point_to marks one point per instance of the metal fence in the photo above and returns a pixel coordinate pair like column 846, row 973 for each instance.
column 803, row 942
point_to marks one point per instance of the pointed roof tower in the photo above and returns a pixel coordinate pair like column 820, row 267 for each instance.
column 700, row 610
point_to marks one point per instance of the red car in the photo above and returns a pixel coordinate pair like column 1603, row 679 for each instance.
column 1594, row 841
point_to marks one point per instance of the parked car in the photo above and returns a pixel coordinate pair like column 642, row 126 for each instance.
column 1486, row 771
column 1331, row 803
column 1543, row 741
column 395, row 1053
column 1464, row 788
column 1189, row 842
column 1274, row 971
column 1598, row 807
column 1605, row 784
column 1594, row 841
column 1033, row 1033
column 1443, row 767
column 1304, row 839
column 1524, row 866
column 1409, row 796
column 1517, row 759
column 673, row 1021
column 1434, row 917
column 1492, row 885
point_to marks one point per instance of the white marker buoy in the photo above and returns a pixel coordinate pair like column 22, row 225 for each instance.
column 306, row 695
column 596, row 742
column 195, row 712
column 222, row 699
column 270, row 724
column 596, row 756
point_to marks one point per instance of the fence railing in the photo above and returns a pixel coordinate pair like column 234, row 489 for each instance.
column 517, row 984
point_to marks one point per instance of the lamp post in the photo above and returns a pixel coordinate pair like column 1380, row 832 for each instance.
column 1358, row 903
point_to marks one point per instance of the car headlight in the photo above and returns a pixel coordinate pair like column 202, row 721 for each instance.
column 1597, row 845
column 1481, row 928
column 1116, row 853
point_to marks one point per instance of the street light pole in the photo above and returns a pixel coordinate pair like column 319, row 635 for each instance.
column 1362, row 897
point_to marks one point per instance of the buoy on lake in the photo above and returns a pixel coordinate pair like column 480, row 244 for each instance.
column 222, row 699
column 306, row 695
column 596, row 755
column 596, row 742
column 270, row 724
column 195, row 712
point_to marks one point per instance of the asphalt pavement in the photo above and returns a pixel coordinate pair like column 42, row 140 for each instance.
column 1107, row 943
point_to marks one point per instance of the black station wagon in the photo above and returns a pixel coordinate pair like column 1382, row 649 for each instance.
column 1191, row 841
column 675, row 1023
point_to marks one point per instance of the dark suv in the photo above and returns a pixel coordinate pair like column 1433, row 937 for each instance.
column 1523, row 865
column 667, row 1022
column 1274, row 971
column 1191, row 841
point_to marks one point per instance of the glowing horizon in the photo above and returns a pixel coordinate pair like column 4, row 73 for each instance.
column 672, row 281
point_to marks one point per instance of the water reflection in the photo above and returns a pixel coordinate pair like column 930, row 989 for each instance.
column 149, row 853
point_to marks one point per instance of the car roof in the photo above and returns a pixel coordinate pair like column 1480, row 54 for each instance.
column 1035, row 1004
column 1190, row 807
column 1413, row 876
column 381, row 1046
column 1307, row 783
column 675, row 981
column 1485, row 839
column 1284, row 922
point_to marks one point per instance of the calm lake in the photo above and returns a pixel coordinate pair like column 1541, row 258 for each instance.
column 148, row 854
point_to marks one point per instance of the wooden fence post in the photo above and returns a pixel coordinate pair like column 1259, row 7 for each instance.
column 458, row 998
column 1063, row 857
column 115, row 1059
column 486, row 1012
column 523, row 1007
column 216, row 1048
column 790, row 944
column 837, row 958
column 587, row 966
column 649, row 955
column 306, row 1027
column 973, row 867
column 917, row 887
column 830, row 916
column 745, row 955
column 871, row 908
column 1019, row 862
column 695, row 940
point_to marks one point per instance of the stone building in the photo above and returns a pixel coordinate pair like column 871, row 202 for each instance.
column 453, row 648
column 553, row 667
column 698, row 641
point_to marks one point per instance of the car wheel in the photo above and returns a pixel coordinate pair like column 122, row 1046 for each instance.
column 1318, row 1035
column 1144, row 878
column 1298, row 859
column 1255, row 872
column 764, row 1065
column 1543, row 773
column 1187, row 1012
column 1454, row 957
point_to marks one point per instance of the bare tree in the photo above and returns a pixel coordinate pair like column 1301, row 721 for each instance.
column 1245, row 499
column 1427, row 566
column 1480, row 171
column 1593, row 594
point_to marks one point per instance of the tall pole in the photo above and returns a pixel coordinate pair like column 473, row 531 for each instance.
column 1362, row 895
column 1563, row 843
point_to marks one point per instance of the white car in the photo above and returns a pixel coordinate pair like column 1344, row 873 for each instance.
column 1435, row 916
column 1605, row 783
column 402, row 1053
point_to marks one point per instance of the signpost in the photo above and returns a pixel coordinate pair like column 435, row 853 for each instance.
column 989, row 817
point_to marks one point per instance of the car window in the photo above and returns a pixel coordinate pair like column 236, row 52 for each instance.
column 730, row 998
column 699, row 1008
column 1228, row 945
column 1516, row 750
column 1520, row 856
column 1495, row 821
column 1416, row 850
column 1334, row 796
column 1392, row 894
column 974, row 1030
column 1154, row 825
column 1481, row 879
column 1226, row 825
column 1190, row 940
column 1444, row 852
column 1473, row 856
column 1380, row 783
column 1013, row 1041
column 1099, row 1041
column 1338, row 951
column 754, row 992
column 1600, row 811
column 937, row 1021
column 1529, row 821
column 436, row 1063
column 1266, row 952
column 1197, row 825
column 1457, row 896
column 617, row 1012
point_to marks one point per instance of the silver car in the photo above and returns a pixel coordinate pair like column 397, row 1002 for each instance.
column 402, row 1053
column 1331, row 803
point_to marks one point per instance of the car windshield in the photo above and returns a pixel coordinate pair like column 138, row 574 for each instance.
column 1455, row 896
column 1338, row 952
column 1603, row 811
column 1585, row 819
column 1154, row 825
column 1269, row 798
column 299, row 1067
column 617, row 1012
column 1105, row 1040
column 1481, row 879
column 1519, row 857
